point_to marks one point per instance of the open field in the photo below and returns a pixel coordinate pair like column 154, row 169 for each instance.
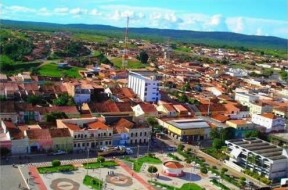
column 52, row 70
column 132, row 64
column 89, row 37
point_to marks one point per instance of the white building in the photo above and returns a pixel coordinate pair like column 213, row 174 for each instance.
column 237, row 72
column 269, row 121
column 145, row 84
column 258, row 155
column 245, row 99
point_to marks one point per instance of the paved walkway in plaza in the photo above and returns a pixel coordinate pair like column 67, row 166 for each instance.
column 36, row 177
column 134, row 175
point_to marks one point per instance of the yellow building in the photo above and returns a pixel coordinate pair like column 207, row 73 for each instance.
column 186, row 130
column 61, row 139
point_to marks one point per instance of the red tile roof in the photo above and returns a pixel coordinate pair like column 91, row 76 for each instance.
column 173, row 165
column 40, row 134
column 59, row 132
column 14, row 132
column 169, row 107
column 269, row 115
column 148, row 108
column 72, row 126
column 221, row 118
column 98, row 125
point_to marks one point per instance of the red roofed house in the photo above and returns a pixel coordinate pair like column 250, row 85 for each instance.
column 143, row 110
column 39, row 139
column 61, row 138
column 87, row 133
column 269, row 122
column 167, row 109
column 19, row 142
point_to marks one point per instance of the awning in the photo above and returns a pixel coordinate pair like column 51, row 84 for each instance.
column 235, row 153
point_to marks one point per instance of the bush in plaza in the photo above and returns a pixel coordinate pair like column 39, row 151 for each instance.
column 56, row 163
column 152, row 169
column 204, row 170
column 180, row 147
column 100, row 159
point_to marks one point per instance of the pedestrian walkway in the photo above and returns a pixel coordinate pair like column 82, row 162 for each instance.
column 36, row 177
column 134, row 175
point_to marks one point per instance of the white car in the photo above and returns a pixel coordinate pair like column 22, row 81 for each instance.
column 59, row 152
column 129, row 151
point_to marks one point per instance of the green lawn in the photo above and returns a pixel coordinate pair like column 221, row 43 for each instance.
column 89, row 37
column 96, row 53
column 216, row 153
column 132, row 64
column 93, row 182
column 95, row 165
column 186, row 186
column 55, row 169
column 145, row 159
column 51, row 70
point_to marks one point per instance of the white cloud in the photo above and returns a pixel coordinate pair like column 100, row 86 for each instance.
column 61, row 10
column 16, row 8
column 78, row 11
column 259, row 32
column 44, row 12
column 95, row 12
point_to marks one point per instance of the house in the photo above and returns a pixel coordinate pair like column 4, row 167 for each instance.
column 8, row 111
column 236, row 111
column 144, row 110
column 39, row 139
column 260, row 156
column 167, row 109
column 3, row 77
column 19, row 142
column 126, row 132
column 281, row 111
column 220, row 118
column 87, row 133
column 145, row 84
column 259, row 107
column 61, row 139
column 241, row 126
column 186, row 130
column 245, row 99
column 268, row 122
column 181, row 110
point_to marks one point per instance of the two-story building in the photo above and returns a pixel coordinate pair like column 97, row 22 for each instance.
column 245, row 99
column 268, row 122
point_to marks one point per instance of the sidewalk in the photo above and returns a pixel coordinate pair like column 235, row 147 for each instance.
column 135, row 175
column 36, row 178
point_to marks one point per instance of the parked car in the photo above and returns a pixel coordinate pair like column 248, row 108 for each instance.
column 129, row 151
column 58, row 152
column 170, row 148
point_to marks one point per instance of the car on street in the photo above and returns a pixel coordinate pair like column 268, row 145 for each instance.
column 171, row 148
column 58, row 152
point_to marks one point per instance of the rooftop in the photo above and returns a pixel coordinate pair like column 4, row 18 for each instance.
column 189, row 123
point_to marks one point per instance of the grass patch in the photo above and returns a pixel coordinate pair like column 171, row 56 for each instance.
column 55, row 169
column 96, row 53
column 89, row 37
column 218, row 184
column 174, row 157
column 186, row 186
column 95, row 165
column 132, row 64
column 145, row 159
column 93, row 182
column 52, row 70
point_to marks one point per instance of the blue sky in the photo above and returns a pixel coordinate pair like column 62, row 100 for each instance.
column 253, row 17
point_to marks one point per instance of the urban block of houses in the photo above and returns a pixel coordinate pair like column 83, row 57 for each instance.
column 268, row 122
column 259, row 107
column 266, row 159
column 241, row 127
column 186, row 130
column 245, row 98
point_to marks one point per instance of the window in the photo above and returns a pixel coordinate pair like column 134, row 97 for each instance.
column 140, row 134
column 136, row 134
column 100, row 143
column 83, row 144
column 75, row 145
column 78, row 135
column 85, row 136
column 81, row 136
column 98, row 135
column 75, row 136
column 110, row 142
column 110, row 134
column 87, row 144
column 106, row 142
column 78, row 144
column 131, row 134
column 145, row 94
column 145, row 134
column 105, row 134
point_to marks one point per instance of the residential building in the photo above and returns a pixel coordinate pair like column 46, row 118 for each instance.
column 241, row 126
column 144, row 110
column 245, row 98
column 145, row 84
column 260, row 108
column 167, row 110
column 8, row 112
column 186, row 130
column 266, row 159
column 268, row 122
column 126, row 132
column 39, row 139
column 61, row 139
column 281, row 111
column 87, row 133
column 19, row 142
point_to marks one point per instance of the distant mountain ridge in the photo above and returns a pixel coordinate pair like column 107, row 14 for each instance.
column 207, row 38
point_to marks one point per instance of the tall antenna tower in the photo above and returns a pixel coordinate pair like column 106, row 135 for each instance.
column 125, row 53
column 167, row 50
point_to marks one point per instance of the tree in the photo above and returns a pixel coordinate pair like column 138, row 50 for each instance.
column 53, row 116
column 6, row 64
column 64, row 100
column 214, row 133
column 34, row 99
column 223, row 171
column 217, row 143
column 253, row 133
column 56, row 163
column 152, row 169
column 100, row 159
column 143, row 57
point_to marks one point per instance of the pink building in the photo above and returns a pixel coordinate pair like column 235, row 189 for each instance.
column 39, row 140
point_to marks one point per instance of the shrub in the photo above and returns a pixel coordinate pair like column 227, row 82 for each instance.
column 188, row 161
column 180, row 147
column 224, row 170
column 56, row 163
column 188, row 150
column 204, row 170
column 100, row 159
column 152, row 169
